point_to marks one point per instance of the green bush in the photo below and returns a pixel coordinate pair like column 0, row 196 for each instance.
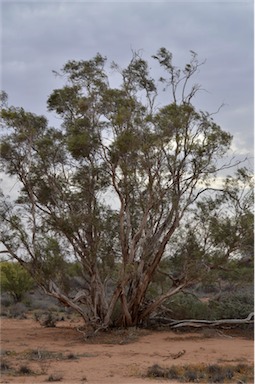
column 15, row 280
column 186, row 306
column 230, row 306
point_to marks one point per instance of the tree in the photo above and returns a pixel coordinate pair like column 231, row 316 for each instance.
column 154, row 163
column 15, row 280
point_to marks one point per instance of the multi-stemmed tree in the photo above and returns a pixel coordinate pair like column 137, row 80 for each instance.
column 114, row 186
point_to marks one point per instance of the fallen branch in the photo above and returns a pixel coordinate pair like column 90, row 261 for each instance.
column 201, row 323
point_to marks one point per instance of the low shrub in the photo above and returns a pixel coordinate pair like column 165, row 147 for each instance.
column 4, row 367
column 191, row 376
column 24, row 370
column 203, row 373
column 55, row 377
column 172, row 373
column 157, row 371
column 6, row 299
column 48, row 320
column 17, row 310
column 71, row 356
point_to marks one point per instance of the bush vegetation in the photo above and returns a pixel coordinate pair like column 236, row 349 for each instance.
column 203, row 373
column 230, row 305
column 15, row 280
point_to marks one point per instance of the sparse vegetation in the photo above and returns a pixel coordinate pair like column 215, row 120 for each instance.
column 73, row 352
column 6, row 368
column 41, row 354
column 203, row 373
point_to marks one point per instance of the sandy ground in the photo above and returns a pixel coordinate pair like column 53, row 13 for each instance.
column 119, row 357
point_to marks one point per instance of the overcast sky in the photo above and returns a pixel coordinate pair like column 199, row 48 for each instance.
column 40, row 36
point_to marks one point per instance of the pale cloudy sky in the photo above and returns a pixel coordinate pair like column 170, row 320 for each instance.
column 40, row 36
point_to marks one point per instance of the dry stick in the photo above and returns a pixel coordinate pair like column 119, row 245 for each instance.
column 176, row 355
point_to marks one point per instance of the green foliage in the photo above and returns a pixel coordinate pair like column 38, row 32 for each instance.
column 174, row 119
column 81, row 144
column 125, row 148
column 186, row 306
column 119, row 107
column 15, row 280
column 239, row 272
column 74, row 269
column 232, row 305
column 49, row 264
column 62, row 99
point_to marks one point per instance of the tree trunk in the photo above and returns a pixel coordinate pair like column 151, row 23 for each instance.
column 156, row 303
column 55, row 292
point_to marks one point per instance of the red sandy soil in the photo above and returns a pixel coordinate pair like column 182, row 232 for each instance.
column 110, row 358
